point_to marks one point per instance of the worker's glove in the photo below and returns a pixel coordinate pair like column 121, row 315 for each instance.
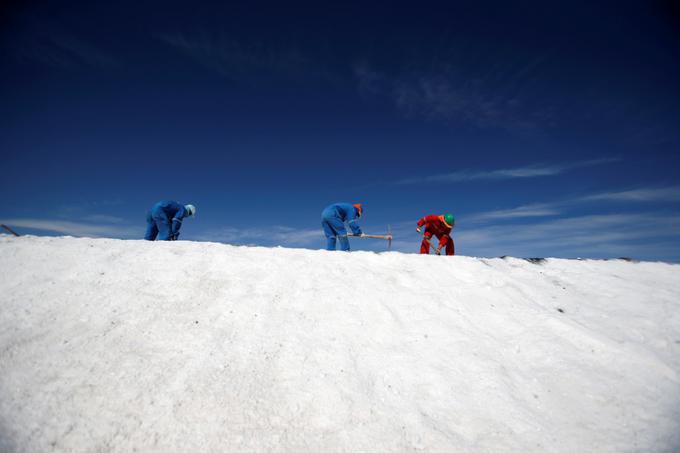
column 418, row 229
column 359, row 233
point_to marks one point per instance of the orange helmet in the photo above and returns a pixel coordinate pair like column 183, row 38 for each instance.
column 360, row 210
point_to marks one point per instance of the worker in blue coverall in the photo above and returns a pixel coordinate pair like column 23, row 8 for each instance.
column 164, row 220
column 333, row 220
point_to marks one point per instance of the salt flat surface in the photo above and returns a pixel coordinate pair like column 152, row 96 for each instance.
column 110, row 345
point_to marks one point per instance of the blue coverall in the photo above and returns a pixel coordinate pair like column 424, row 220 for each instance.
column 164, row 220
column 333, row 220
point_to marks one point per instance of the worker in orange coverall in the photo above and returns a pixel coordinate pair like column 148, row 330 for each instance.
column 440, row 226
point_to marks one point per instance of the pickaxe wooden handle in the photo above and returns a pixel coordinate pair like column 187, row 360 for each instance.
column 9, row 229
column 387, row 237
column 373, row 236
column 433, row 247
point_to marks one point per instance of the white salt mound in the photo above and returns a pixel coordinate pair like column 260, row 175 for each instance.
column 116, row 346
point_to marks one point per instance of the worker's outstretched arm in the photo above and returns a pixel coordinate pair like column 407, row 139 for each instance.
column 354, row 226
column 425, row 220
column 177, row 221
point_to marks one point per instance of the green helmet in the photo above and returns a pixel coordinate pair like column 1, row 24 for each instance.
column 449, row 219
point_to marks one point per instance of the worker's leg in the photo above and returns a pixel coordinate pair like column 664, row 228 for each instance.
column 163, row 224
column 151, row 228
column 425, row 245
column 341, row 232
column 450, row 247
column 344, row 242
column 330, row 234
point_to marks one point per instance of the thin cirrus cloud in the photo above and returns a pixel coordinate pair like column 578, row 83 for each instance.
column 245, row 62
column 109, row 226
column 276, row 235
column 86, row 229
column 229, row 57
column 668, row 194
column 531, row 210
column 498, row 98
column 56, row 47
column 588, row 236
column 532, row 171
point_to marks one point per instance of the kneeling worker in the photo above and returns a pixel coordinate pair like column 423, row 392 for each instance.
column 440, row 226
column 333, row 220
column 164, row 220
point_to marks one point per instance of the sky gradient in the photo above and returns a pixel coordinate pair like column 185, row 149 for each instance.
column 547, row 130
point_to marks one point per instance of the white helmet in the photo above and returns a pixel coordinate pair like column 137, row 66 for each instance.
column 191, row 210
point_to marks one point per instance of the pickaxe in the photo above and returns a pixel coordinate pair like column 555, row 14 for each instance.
column 387, row 237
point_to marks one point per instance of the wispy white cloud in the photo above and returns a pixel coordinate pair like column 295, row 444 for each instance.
column 491, row 97
column 439, row 97
column 90, row 210
column 531, row 171
column 87, row 229
column 586, row 236
column 669, row 194
column 530, row 210
column 61, row 49
column 103, row 218
column 276, row 235
column 242, row 61
column 231, row 58
column 641, row 195
column 369, row 81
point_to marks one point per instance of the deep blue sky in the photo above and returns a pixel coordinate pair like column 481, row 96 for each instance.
column 547, row 128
